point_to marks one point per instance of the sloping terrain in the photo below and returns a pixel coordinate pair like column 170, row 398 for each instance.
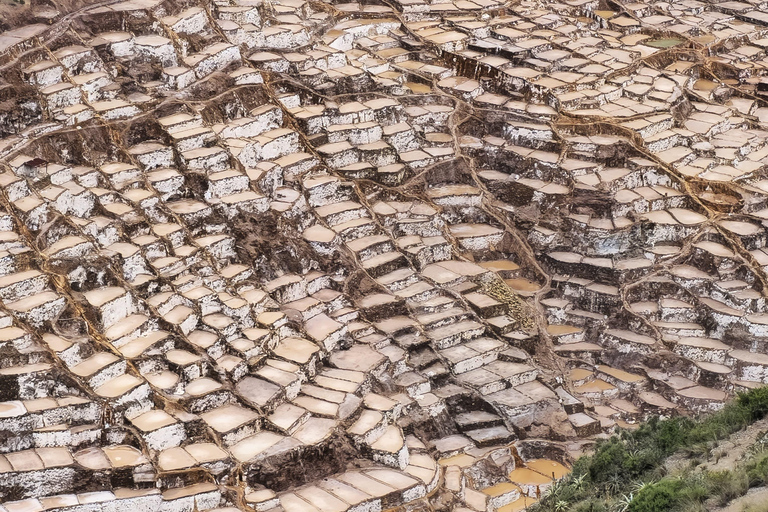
column 716, row 461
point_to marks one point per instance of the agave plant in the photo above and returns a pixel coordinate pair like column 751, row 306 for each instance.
column 639, row 486
column 555, row 488
column 614, row 485
column 760, row 446
column 624, row 502
column 578, row 481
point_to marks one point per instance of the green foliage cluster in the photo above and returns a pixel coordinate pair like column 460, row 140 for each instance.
column 626, row 472
column 727, row 485
column 757, row 468
column 687, row 492
column 662, row 495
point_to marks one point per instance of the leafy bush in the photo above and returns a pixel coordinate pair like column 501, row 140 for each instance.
column 666, row 435
column 660, row 496
column 757, row 469
column 755, row 401
column 590, row 505
column 608, row 461
column 728, row 485
column 694, row 491
column 734, row 416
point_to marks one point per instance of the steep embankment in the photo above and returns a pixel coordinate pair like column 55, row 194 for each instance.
column 714, row 462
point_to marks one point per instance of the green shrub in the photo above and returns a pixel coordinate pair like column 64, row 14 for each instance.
column 755, row 401
column 658, row 497
column 734, row 416
column 727, row 485
column 608, row 461
column 671, row 434
column 692, row 506
column 590, row 505
column 693, row 492
column 757, row 469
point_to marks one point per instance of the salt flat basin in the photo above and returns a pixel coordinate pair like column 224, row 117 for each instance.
column 461, row 460
column 175, row 458
column 526, row 476
column 667, row 42
column 12, row 409
column 500, row 265
column 548, row 467
column 163, row 379
column 580, row 374
column 123, row 455
column 620, row 374
column 741, row 228
column 519, row 504
column 522, row 285
column 704, row 85
column 595, row 386
column 562, row 329
column 703, row 393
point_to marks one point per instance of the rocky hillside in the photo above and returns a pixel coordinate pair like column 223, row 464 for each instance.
column 713, row 462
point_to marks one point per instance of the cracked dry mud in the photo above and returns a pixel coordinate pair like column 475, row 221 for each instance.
column 302, row 256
